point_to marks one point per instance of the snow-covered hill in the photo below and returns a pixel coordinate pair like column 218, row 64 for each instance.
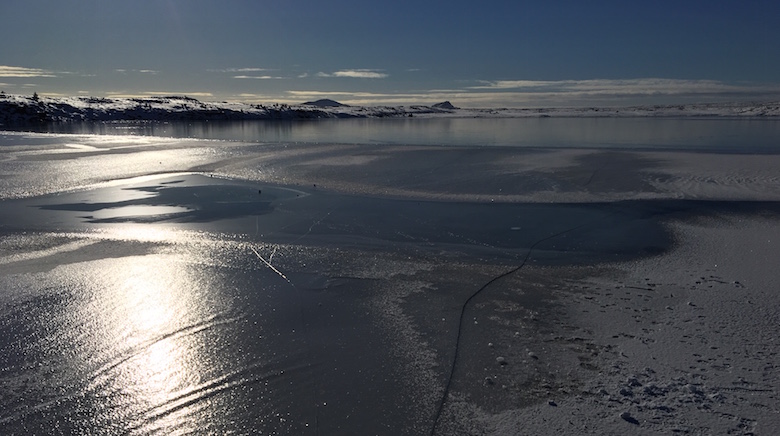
column 15, row 109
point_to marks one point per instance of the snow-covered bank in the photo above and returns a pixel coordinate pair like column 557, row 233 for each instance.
column 684, row 342
column 15, row 109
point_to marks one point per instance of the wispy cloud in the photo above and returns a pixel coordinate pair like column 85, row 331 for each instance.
column 371, row 98
column 190, row 94
column 126, row 94
column 246, row 70
column 626, row 87
column 131, row 71
column 257, row 77
column 9, row 71
column 528, row 93
column 239, row 70
column 357, row 74
column 248, row 97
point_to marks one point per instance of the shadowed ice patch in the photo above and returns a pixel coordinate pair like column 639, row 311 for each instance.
column 184, row 200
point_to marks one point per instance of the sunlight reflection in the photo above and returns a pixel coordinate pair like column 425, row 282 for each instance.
column 149, row 297
column 138, row 211
column 145, row 233
column 155, row 306
column 148, row 313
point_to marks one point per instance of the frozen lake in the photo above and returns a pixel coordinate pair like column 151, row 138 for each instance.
column 337, row 277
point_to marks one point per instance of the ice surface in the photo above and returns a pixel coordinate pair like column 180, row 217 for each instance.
column 319, row 287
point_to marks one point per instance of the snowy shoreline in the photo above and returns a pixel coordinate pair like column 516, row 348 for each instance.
column 16, row 109
column 679, row 343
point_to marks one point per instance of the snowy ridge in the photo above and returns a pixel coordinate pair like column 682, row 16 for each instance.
column 15, row 109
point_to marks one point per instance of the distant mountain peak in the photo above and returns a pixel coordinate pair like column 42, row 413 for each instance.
column 444, row 105
column 324, row 102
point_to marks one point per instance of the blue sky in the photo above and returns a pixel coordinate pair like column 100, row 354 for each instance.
column 473, row 53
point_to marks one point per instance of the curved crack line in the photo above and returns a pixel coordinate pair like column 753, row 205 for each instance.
column 446, row 392
column 273, row 268
column 592, row 176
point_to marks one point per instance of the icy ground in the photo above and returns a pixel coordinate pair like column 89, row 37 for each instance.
column 615, row 291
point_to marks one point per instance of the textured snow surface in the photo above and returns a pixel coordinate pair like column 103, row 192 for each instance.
column 679, row 344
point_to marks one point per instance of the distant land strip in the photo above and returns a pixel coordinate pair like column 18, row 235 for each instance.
column 19, row 110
